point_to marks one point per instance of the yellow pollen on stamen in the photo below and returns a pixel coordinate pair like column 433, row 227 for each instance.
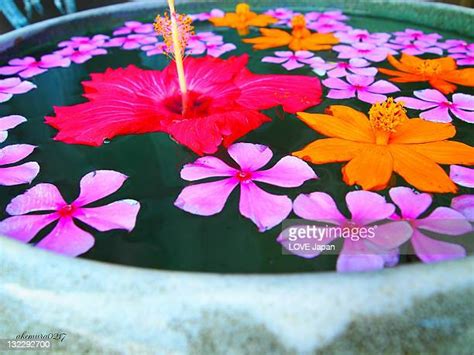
column 387, row 115
column 242, row 9
column 298, row 22
column 429, row 67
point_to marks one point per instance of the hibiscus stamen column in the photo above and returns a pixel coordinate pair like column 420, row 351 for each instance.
column 176, row 30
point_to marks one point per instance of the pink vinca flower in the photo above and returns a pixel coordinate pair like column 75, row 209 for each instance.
column 371, row 244
column 335, row 15
column 9, row 122
column 154, row 49
column 438, row 106
column 264, row 209
column 368, row 51
column 462, row 176
column 464, row 204
column 362, row 87
column 29, row 66
column 282, row 14
column 290, row 60
column 205, row 37
column 458, row 46
column 418, row 47
column 76, row 42
column 66, row 237
column 443, row 220
column 82, row 54
column 410, row 35
column 464, row 58
column 134, row 27
column 356, row 66
column 204, row 16
column 131, row 42
column 18, row 174
column 328, row 26
column 13, row 86
column 214, row 49
column 356, row 36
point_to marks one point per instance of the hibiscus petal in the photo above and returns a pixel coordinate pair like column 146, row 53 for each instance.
column 20, row 174
column 391, row 235
column 462, row 176
column 430, row 250
column 41, row 197
column 368, row 207
column 116, row 215
column 25, row 228
column 14, row 153
column 206, row 167
column 99, row 184
column 250, row 157
column 206, row 199
column 410, row 203
column 264, row 209
column 67, row 239
column 354, row 257
column 287, row 172
column 318, row 206
column 465, row 205
column 446, row 221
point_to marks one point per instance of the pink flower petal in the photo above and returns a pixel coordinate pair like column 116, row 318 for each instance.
column 391, row 235
column 335, row 83
column 430, row 250
column 206, row 167
column 30, row 72
column 5, row 97
column 430, row 95
column 465, row 205
column 416, row 104
column 463, row 101
column 367, row 96
column 437, row 114
column 67, row 239
column 9, row 122
column 355, row 257
column 14, row 153
column 462, row 176
column 360, row 80
column 367, row 207
column 382, row 87
column 11, row 70
column 99, row 184
column 341, row 94
column 275, row 60
column 25, row 228
column 467, row 116
column 292, row 64
column 264, row 209
column 294, row 245
column 410, row 203
column 446, row 221
column 318, row 206
column 20, row 174
column 206, row 199
column 42, row 197
column 15, row 86
column 250, row 157
column 116, row 215
column 287, row 172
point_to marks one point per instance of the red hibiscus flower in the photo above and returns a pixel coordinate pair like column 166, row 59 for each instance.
column 224, row 100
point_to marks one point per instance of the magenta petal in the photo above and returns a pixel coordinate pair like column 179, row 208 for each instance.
column 391, row 235
column 335, row 83
column 20, row 174
column 14, row 153
column 116, row 215
column 25, row 228
column 42, row 197
column 431, row 250
column 275, row 60
column 383, row 87
column 67, row 239
column 10, row 70
column 292, row 64
column 264, row 209
column 367, row 207
column 250, row 157
column 416, row 103
column 341, row 94
column 462, row 176
column 445, row 220
column 318, row 206
column 9, row 122
column 437, row 114
column 410, row 203
column 206, row 167
column 463, row 101
column 431, row 95
column 287, row 172
column 465, row 205
column 370, row 98
column 99, row 184
column 466, row 116
column 355, row 257
column 206, row 199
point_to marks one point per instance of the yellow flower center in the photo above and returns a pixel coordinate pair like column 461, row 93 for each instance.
column 298, row 24
column 429, row 67
column 242, row 10
column 385, row 117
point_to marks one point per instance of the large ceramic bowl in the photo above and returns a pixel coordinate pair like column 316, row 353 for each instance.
column 107, row 308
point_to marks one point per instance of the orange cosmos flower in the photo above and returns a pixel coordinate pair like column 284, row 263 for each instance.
column 441, row 73
column 299, row 39
column 385, row 142
column 242, row 19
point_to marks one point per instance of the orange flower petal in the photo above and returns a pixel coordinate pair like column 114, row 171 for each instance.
column 349, row 127
column 418, row 170
column 329, row 150
column 262, row 21
column 447, row 64
column 462, row 77
column 410, row 62
column 417, row 130
column 371, row 168
column 443, row 86
column 447, row 152
column 271, row 38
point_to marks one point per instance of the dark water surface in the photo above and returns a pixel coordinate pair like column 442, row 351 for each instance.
column 166, row 237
